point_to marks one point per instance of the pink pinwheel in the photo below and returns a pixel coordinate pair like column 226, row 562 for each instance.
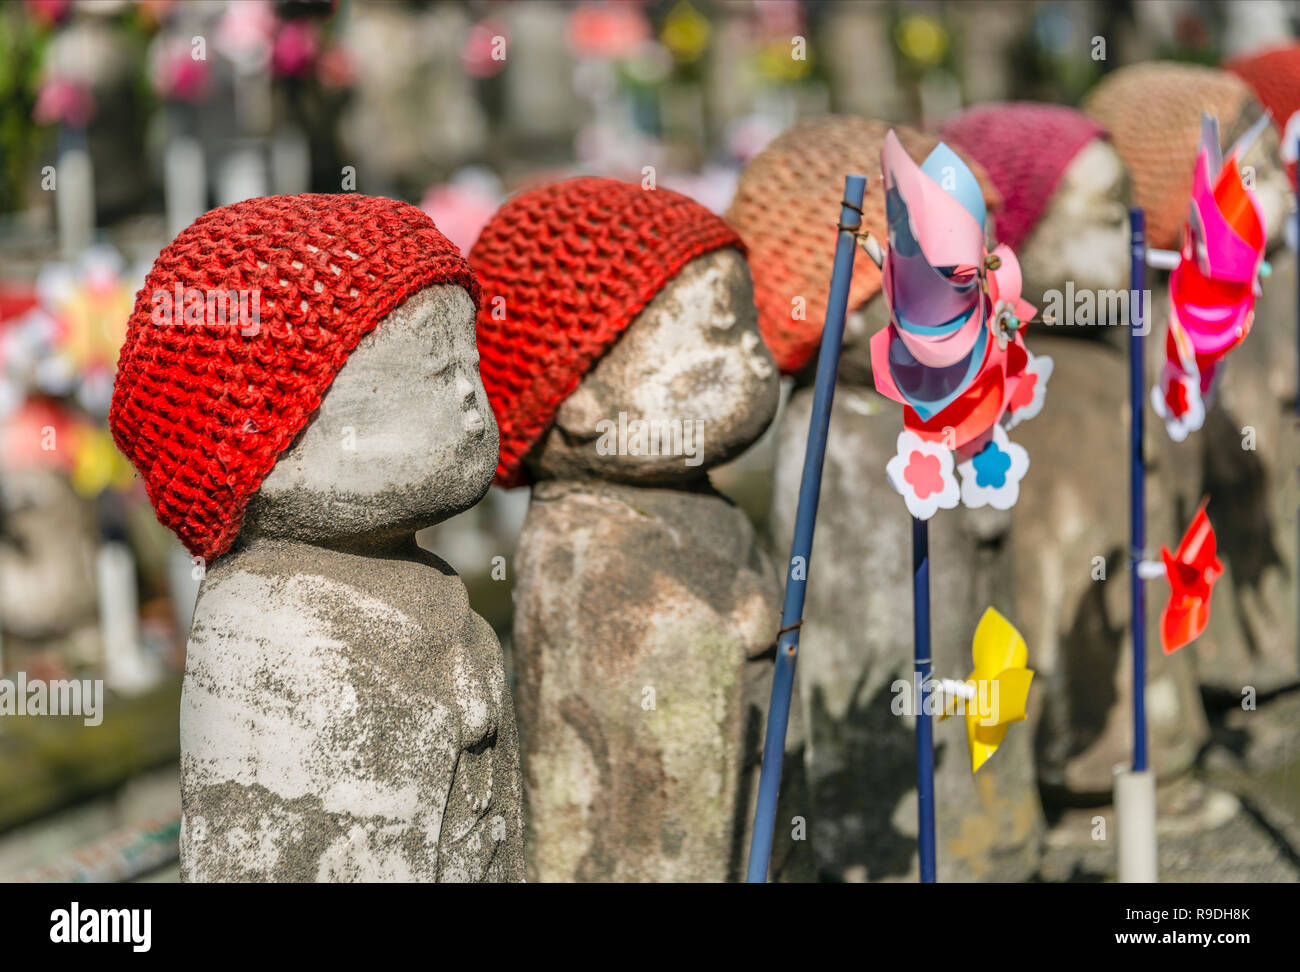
column 953, row 353
column 1212, row 289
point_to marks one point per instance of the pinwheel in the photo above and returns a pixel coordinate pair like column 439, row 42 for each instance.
column 1214, row 284
column 953, row 353
column 997, row 691
column 1191, row 572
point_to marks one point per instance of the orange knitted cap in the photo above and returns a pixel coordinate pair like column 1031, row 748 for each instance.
column 786, row 208
column 565, row 268
column 1153, row 113
column 208, row 394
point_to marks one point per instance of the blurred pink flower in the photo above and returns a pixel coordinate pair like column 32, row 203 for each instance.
column 66, row 102
column 608, row 31
column 245, row 32
column 713, row 187
column 780, row 18
column 460, row 210
column 480, row 45
column 177, row 75
column 48, row 12
column 336, row 67
column 296, row 45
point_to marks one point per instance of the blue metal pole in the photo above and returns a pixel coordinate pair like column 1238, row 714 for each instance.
column 787, row 646
column 924, row 722
column 1137, row 483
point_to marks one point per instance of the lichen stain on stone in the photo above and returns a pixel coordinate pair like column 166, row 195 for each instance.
column 619, row 789
column 339, row 708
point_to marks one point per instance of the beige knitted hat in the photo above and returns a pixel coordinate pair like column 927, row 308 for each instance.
column 786, row 209
column 1153, row 113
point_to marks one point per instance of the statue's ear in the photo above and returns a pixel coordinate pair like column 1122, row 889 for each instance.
column 579, row 414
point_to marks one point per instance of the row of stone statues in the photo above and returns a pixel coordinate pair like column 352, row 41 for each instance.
column 346, row 714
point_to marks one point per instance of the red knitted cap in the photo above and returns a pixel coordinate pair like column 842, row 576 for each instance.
column 1274, row 76
column 786, row 207
column 204, row 409
column 575, row 262
column 1025, row 148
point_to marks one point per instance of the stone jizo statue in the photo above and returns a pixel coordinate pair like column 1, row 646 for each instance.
column 345, row 713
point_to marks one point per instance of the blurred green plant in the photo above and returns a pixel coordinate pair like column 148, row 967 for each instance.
column 22, row 49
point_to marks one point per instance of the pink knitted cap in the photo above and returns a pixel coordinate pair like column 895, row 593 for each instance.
column 1025, row 148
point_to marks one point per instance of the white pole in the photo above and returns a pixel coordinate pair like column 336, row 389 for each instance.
column 1135, row 822
column 125, row 668
column 290, row 162
column 241, row 174
column 74, row 200
column 185, row 182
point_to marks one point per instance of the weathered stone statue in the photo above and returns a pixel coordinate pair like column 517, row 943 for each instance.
column 1241, row 457
column 857, row 634
column 1065, row 208
column 345, row 714
column 48, row 531
column 621, row 356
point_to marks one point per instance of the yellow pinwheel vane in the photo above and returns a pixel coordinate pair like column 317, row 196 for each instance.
column 997, row 691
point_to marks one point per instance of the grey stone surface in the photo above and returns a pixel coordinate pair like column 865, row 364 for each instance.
column 1082, row 238
column 857, row 640
column 1235, row 818
column 645, row 609
column 1204, row 835
column 345, row 714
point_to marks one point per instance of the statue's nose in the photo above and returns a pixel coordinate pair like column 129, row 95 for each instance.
column 465, row 389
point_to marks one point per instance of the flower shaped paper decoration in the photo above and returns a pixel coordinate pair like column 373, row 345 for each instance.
column 1000, row 684
column 991, row 476
column 1192, row 571
column 1177, row 399
column 1213, row 288
column 1031, row 394
column 953, row 353
column 922, row 472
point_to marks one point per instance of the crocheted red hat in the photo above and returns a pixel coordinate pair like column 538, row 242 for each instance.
column 574, row 262
column 1274, row 76
column 1025, row 148
column 205, row 400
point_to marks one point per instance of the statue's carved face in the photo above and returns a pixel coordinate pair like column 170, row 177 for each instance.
column 687, row 386
column 403, row 438
column 1082, row 236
